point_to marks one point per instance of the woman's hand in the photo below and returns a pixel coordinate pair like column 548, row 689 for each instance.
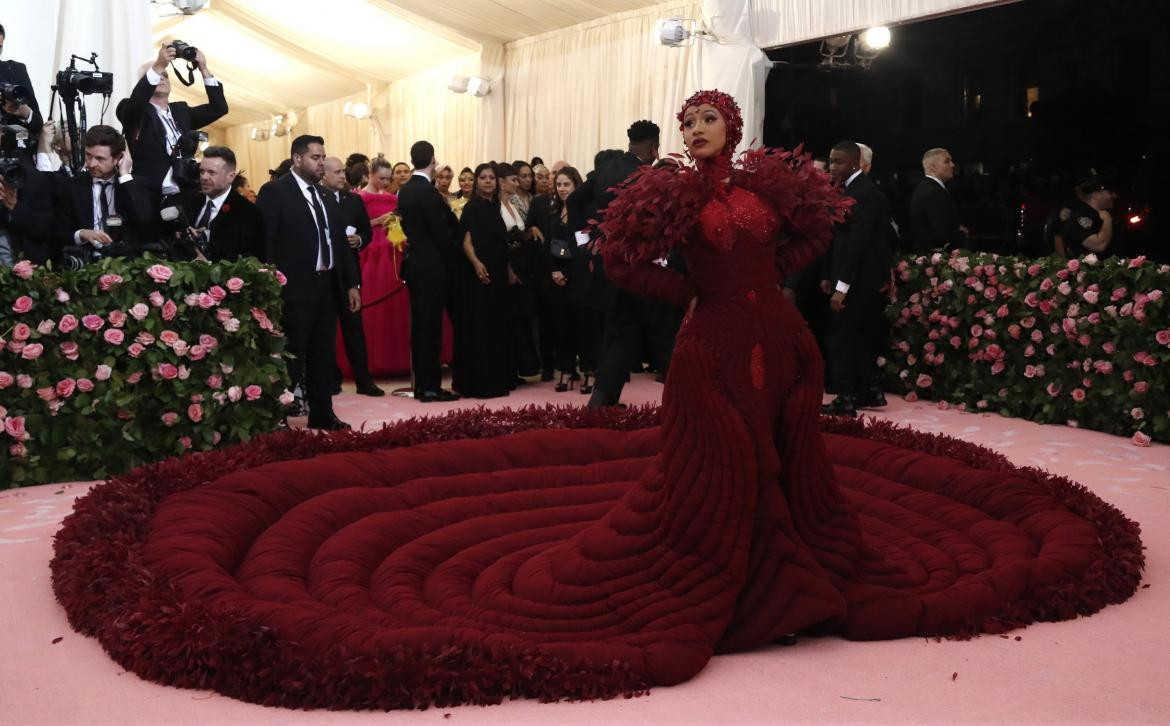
column 558, row 277
column 513, row 278
column 481, row 272
column 383, row 220
column 536, row 233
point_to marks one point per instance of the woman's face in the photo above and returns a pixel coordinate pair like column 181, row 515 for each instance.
column 485, row 183
column 704, row 131
column 543, row 181
column 466, row 183
column 382, row 179
column 401, row 174
column 565, row 186
column 524, row 177
column 508, row 184
column 443, row 180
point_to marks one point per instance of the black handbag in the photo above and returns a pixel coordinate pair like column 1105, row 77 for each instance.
column 561, row 249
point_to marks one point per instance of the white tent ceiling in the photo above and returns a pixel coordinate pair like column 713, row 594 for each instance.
column 274, row 55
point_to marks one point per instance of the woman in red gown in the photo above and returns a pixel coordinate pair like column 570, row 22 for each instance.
column 568, row 561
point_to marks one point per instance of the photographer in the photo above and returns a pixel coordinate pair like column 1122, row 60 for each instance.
column 104, row 211
column 19, row 102
column 26, row 218
column 159, row 132
column 226, row 225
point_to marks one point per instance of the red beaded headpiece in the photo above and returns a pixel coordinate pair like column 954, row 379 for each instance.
column 727, row 107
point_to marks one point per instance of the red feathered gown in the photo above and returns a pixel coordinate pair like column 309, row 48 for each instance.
column 569, row 562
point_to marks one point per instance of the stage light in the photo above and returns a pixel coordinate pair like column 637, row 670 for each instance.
column 1135, row 219
column 458, row 84
column 674, row 32
column 875, row 39
column 356, row 109
column 258, row 134
column 480, row 87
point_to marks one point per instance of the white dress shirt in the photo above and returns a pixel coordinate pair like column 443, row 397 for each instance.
column 310, row 192
column 216, row 205
column 112, row 196
column 171, row 128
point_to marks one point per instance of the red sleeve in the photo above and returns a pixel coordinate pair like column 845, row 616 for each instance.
column 650, row 280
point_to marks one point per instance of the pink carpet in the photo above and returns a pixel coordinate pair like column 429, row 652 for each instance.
column 1108, row 668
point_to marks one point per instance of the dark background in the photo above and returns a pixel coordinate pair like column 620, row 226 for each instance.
column 1102, row 70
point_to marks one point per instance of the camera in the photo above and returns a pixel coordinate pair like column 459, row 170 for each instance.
column 72, row 81
column 12, row 93
column 184, row 168
column 185, row 51
column 184, row 242
column 13, row 142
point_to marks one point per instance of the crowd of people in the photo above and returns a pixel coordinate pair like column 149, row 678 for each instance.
column 503, row 253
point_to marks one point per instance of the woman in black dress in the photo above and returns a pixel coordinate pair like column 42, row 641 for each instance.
column 483, row 363
column 560, row 245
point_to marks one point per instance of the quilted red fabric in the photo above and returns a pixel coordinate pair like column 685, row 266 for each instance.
column 588, row 554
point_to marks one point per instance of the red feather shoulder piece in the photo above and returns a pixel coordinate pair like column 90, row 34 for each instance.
column 652, row 212
column 805, row 200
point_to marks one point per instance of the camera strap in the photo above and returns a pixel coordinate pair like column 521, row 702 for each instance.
column 190, row 80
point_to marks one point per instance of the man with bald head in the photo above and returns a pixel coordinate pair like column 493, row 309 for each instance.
column 934, row 215
column 357, row 233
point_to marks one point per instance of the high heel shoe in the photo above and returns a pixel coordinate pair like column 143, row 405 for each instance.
column 586, row 383
column 564, row 383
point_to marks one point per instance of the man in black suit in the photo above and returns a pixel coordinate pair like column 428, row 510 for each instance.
column 305, row 239
column 27, row 219
column 105, row 210
column 859, row 269
column 629, row 318
column 158, row 131
column 431, row 229
column 26, row 114
column 934, row 215
column 358, row 234
column 231, row 224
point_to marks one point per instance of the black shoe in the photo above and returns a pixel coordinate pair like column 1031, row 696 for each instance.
column 439, row 396
column 586, row 384
column 870, row 399
column 840, row 406
column 330, row 424
column 370, row 390
column 564, row 383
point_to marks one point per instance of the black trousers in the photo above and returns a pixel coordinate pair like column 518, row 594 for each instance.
column 428, row 298
column 354, row 338
column 856, row 339
column 630, row 320
column 311, row 328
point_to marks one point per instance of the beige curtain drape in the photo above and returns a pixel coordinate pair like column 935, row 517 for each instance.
column 573, row 92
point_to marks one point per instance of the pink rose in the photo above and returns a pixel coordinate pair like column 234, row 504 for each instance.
column 943, row 405
column 1078, row 395
column 235, row 393
column 223, row 314
column 910, row 397
column 1053, row 389
column 180, row 347
column 214, row 381
column 108, row 281
column 1033, row 270
column 18, row 450
column 997, row 368
column 135, row 349
column 61, row 295
column 923, row 381
column 227, row 370
column 134, row 377
column 114, row 336
column 1037, row 336
column 1137, row 413
column 139, row 311
column 1103, row 367
column 235, row 284
column 1085, row 340
column 1137, row 262
column 32, row 351
column 1108, row 347
column 168, row 371
column 70, row 350
column 1074, row 265
column 103, row 372
column 23, row 304
column 1014, row 331
column 281, row 278
column 185, row 442
column 170, row 418
column 252, row 392
column 156, row 299
column 46, row 327
column 1141, row 439
column 197, row 352
column 1064, row 288
column 1141, row 387
column 1126, row 309
column 1144, row 358
column 191, row 299
column 14, row 427
column 1029, row 371
column 1127, row 376
column 21, row 331
column 168, row 337
column 287, row 398
column 1094, row 318
column 169, row 309
column 1090, row 296
column 84, row 385
column 93, row 322
column 1155, row 295
column 159, row 273
column 217, row 293
column 68, row 324
column 1046, row 284
column 195, row 412
column 144, row 338
column 1163, row 337
column 1029, row 351
column 48, row 393
column 23, row 269
column 956, row 341
column 208, row 341
column 205, row 301
column 65, row 387
column 6, row 379
column 231, row 325
column 1118, row 293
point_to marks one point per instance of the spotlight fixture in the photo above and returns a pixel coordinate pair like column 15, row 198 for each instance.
column 678, row 32
column 875, row 39
column 458, row 84
column 854, row 50
column 282, row 123
column 480, row 87
column 258, row 134
column 356, row 109
column 167, row 8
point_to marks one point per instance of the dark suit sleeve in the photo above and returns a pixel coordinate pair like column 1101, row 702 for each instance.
column 268, row 202
column 210, row 112
column 865, row 218
column 441, row 221
column 359, row 219
column 577, row 203
column 138, row 211
column 35, row 122
column 131, row 110
column 32, row 219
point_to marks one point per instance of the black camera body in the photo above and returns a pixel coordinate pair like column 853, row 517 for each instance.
column 13, row 93
column 183, row 243
column 72, row 81
column 185, row 51
column 13, row 144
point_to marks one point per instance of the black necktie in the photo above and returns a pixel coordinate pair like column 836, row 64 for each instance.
column 205, row 218
column 104, row 202
column 322, row 237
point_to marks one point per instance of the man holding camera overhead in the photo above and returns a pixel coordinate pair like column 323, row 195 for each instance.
column 158, row 132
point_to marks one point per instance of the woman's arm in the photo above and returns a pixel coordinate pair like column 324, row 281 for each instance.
column 650, row 280
column 480, row 269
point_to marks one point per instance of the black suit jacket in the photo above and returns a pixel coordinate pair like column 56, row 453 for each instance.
column 131, row 201
column 353, row 214
column 32, row 222
column 431, row 230
column 934, row 218
column 237, row 230
column 146, row 135
column 290, row 235
column 860, row 252
column 13, row 72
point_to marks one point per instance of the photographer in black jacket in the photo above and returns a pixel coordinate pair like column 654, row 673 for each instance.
column 19, row 102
